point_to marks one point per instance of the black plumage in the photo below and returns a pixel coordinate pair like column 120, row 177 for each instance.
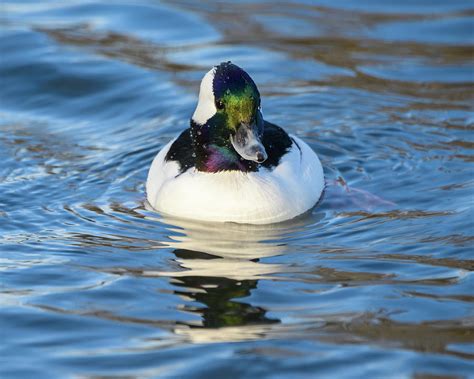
column 190, row 150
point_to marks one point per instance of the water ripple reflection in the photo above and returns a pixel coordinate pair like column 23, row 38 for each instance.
column 376, row 281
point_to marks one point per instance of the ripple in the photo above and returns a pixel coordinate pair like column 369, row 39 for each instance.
column 376, row 279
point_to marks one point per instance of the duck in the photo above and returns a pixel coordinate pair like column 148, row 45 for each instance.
column 230, row 164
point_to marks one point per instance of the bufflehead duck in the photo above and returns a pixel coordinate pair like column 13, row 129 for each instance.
column 231, row 165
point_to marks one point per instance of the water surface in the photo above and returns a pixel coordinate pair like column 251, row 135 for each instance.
column 94, row 284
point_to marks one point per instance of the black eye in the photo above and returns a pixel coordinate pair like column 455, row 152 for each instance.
column 219, row 104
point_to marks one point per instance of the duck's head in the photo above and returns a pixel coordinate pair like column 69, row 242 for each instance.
column 229, row 109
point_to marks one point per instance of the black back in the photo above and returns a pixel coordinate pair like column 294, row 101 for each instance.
column 275, row 140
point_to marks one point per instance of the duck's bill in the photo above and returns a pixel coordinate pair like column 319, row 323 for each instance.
column 248, row 144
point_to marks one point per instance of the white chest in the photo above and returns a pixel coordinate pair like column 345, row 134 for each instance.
column 262, row 197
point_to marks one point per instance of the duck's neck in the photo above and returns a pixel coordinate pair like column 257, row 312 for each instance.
column 213, row 150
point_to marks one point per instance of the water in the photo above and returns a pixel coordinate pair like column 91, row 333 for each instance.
column 96, row 285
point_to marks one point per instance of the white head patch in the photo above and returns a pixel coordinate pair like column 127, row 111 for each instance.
column 206, row 107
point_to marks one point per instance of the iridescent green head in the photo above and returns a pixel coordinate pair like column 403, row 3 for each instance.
column 229, row 108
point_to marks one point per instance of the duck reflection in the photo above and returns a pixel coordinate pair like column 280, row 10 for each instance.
column 218, row 294
column 220, row 265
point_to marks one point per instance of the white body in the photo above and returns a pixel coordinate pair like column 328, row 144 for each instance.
column 262, row 197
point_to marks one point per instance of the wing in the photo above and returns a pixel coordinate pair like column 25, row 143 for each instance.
column 181, row 151
column 277, row 143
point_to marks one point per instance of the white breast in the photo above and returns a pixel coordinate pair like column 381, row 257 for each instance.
column 262, row 197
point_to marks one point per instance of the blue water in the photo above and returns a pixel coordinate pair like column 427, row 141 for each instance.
column 96, row 285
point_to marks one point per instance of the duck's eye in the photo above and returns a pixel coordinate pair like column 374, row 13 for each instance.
column 219, row 104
